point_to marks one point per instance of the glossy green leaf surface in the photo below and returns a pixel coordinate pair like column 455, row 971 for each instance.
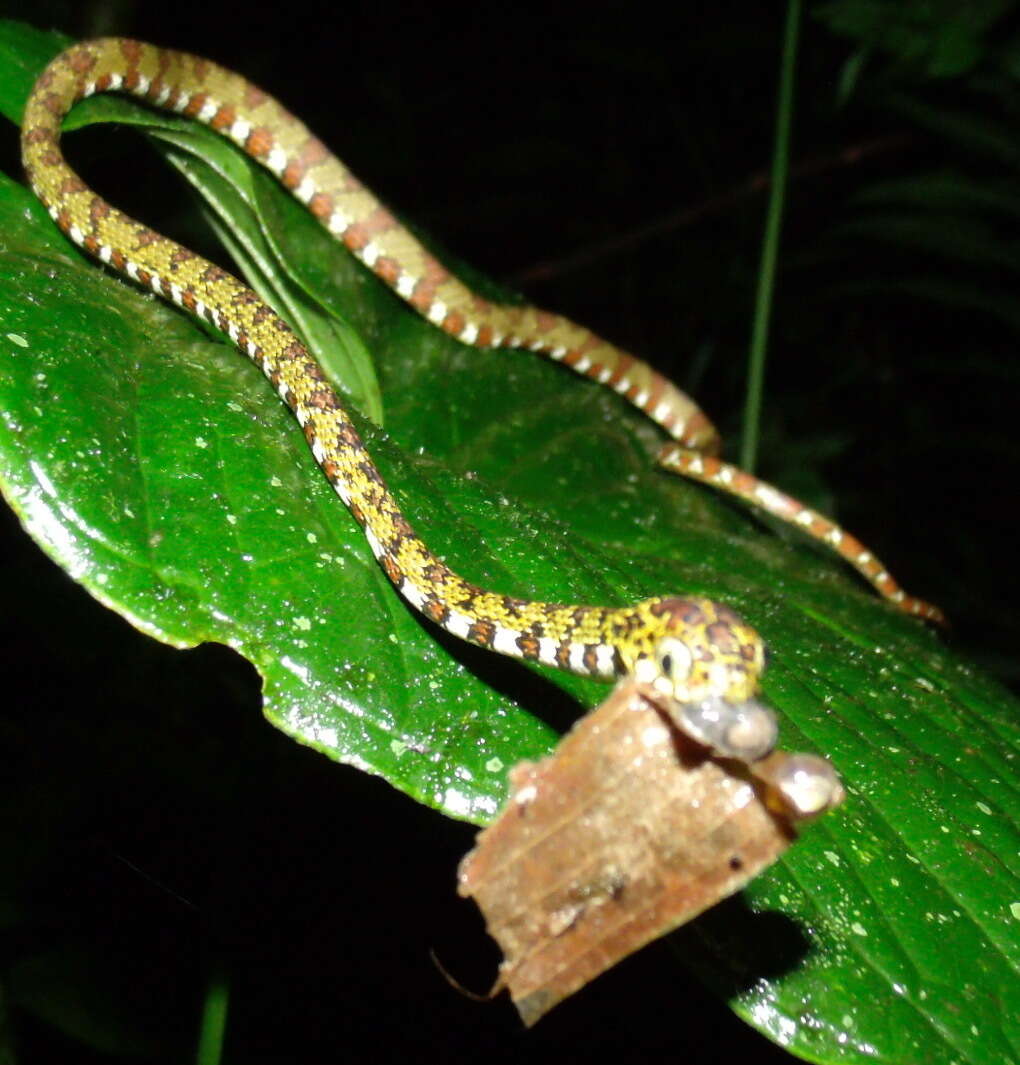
column 158, row 468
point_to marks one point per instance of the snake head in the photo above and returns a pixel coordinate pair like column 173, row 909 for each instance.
column 703, row 662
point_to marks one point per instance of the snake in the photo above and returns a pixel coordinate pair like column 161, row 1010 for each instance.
column 696, row 656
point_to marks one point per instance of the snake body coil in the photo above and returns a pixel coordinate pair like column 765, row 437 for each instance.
column 693, row 653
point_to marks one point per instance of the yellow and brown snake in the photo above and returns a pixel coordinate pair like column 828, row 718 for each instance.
column 698, row 656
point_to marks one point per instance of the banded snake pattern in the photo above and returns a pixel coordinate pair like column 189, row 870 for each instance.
column 697, row 656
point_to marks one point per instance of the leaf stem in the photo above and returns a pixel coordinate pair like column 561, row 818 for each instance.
column 770, row 243
column 214, row 1018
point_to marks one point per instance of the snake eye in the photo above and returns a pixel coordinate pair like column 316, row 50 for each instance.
column 674, row 659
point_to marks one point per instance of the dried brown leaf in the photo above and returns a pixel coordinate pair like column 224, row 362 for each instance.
column 628, row 830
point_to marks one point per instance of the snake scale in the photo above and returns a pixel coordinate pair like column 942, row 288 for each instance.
column 696, row 654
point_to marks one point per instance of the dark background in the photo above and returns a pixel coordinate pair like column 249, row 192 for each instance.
column 610, row 164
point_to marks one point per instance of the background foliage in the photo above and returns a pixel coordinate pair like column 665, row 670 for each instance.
column 890, row 386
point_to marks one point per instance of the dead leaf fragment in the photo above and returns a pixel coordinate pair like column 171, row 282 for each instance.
column 628, row 830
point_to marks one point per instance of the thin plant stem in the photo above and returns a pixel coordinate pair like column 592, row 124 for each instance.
column 770, row 244
column 214, row 1018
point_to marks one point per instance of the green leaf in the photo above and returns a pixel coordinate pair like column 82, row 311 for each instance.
column 251, row 233
column 158, row 468
column 945, row 36
column 945, row 190
column 953, row 238
column 26, row 51
column 971, row 131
